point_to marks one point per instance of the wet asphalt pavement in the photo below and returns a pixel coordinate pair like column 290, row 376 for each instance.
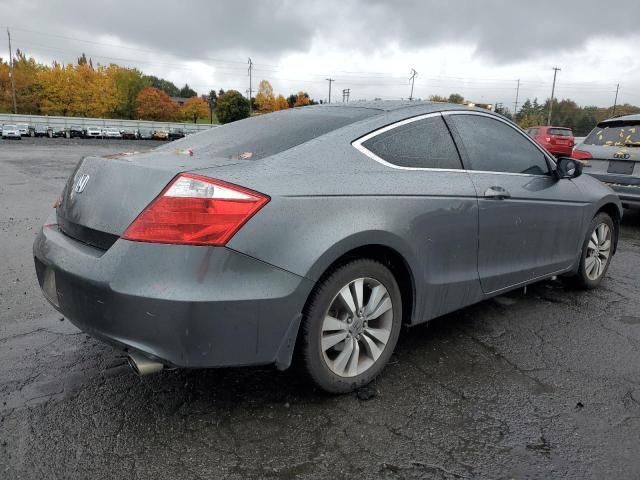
column 542, row 385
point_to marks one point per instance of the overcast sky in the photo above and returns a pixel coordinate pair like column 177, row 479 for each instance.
column 476, row 48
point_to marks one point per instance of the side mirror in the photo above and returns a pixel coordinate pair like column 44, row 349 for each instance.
column 568, row 168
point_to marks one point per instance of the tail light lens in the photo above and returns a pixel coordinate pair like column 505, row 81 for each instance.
column 195, row 210
column 581, row 154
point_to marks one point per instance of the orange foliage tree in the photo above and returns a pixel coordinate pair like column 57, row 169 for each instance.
column 280, row 103
column 264, row 98
column 194, row 108
column 154, row 104
column 301, row 100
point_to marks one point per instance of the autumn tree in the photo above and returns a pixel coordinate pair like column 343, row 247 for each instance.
column 280, row 103
column 154, row 104
column 95, row 93
column 232, row 106
column 57, row 90
column 302, row 99
column 265, row 100
column 194, row 108
column 27, row 89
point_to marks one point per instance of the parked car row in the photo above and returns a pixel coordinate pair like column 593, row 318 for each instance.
column 75, row 131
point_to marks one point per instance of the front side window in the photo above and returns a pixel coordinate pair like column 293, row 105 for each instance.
column 424, row 143
column 493, row 146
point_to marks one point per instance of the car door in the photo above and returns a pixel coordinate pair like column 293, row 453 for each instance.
column 529, row 221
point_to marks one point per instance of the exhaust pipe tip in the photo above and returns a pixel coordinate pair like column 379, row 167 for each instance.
column 142, row 365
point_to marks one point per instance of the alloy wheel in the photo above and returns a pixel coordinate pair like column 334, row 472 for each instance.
column 357, row 326
column 598, row 251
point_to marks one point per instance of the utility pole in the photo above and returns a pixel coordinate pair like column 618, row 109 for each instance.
column 412, row 79
column 345, row 95
column 515, row 104
column 553, row 91
column 615, row 102
column 13, row 81
column 330, row 80
column 250, row 70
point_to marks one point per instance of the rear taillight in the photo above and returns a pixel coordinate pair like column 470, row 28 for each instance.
column 196, row 210
column 581, row 154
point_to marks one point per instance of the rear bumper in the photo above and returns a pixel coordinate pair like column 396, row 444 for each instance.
column 185, row 306
column 627, row 187
column 559, row 150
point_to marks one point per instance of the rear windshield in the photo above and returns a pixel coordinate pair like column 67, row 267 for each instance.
column 563, row 132
column 616, row 134
column 265, row 135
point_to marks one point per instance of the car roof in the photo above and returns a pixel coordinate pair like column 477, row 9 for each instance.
column 395, row 105
column 632, row 118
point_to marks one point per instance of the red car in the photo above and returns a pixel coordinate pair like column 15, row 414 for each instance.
column 557, row 140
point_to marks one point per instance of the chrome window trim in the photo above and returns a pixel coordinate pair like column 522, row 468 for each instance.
column 357, row 144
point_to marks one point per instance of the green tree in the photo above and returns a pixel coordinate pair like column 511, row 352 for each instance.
column 165, row 85
column 187, row 92
column 456, row 98
column 232, row 106
column 128, row 82
column 212, row 99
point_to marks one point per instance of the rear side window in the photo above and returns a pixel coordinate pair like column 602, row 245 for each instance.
column 424, row 143
column 265, row 135
column 493, row 146
column 615, row 135
column 561, row 132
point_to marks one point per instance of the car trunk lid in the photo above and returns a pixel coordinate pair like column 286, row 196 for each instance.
column 105, row 194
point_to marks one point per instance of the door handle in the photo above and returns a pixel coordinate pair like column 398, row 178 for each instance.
column 496, row 193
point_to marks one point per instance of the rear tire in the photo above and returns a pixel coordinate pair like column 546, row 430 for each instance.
column 351, row 326
column 597, row 250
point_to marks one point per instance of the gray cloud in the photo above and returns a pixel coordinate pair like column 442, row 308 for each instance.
column 502, row 30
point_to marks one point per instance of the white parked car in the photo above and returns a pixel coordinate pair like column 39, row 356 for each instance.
column 93, row 132
column 24, row 129
column 111, row 133
column 11, row 131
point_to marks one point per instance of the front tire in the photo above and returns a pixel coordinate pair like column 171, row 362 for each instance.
column 597, row 251
column 351, row 326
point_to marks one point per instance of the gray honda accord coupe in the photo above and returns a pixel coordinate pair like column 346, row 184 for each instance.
column 313, row 234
